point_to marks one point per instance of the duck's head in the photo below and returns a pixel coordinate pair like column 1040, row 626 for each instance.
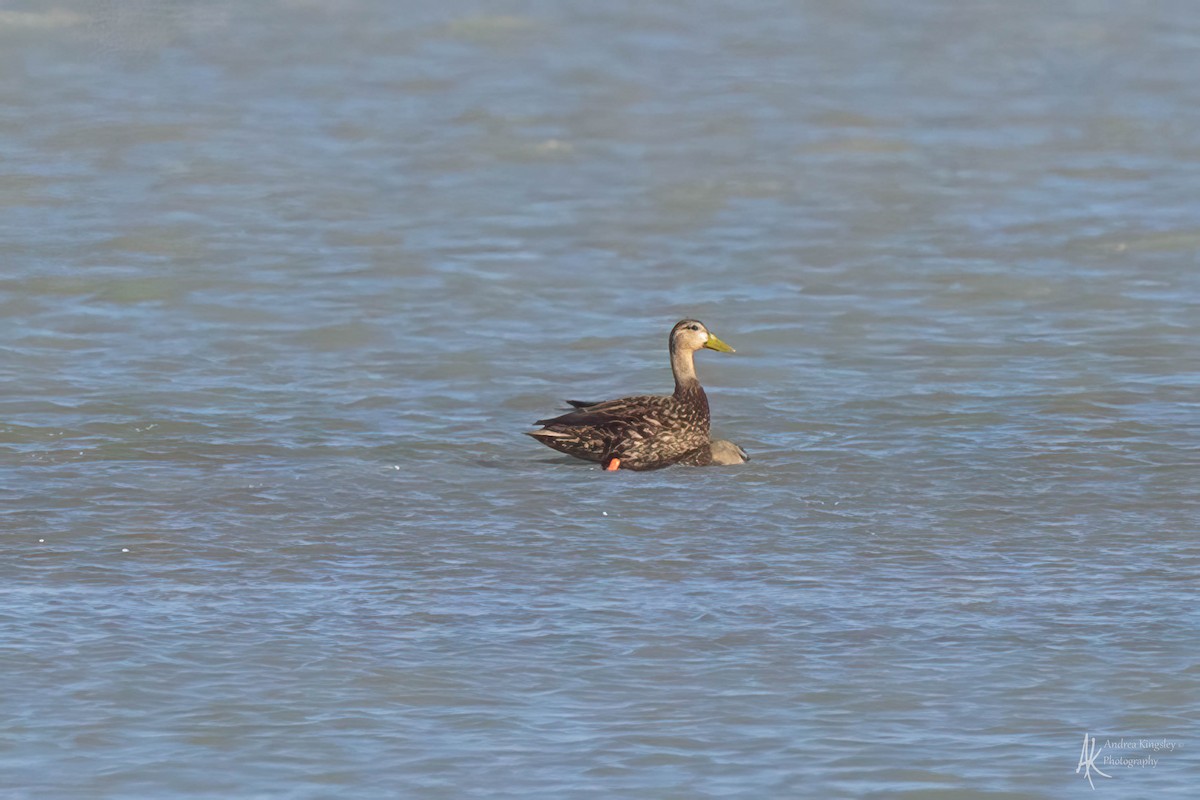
column 690, row 335
column 725, row 452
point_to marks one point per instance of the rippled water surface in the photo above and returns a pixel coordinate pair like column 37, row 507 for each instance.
column 284, row 282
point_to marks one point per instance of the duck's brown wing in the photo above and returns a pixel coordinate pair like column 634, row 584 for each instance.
column 622, row 410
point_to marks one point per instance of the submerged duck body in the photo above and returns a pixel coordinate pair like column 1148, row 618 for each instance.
column 646, row 431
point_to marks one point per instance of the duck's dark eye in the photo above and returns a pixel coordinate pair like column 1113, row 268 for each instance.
column 693, row 327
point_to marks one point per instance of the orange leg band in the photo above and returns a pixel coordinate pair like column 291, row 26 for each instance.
column 613, row 465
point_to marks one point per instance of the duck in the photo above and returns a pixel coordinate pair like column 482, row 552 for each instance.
column 719, row 453
column 645, row 431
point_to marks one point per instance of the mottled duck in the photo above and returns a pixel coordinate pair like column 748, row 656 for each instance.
column 646, row 431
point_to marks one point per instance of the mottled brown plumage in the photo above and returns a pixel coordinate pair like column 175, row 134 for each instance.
column 718, row 452
column 647, row 431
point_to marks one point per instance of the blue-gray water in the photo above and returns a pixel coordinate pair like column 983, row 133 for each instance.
column 283, row 283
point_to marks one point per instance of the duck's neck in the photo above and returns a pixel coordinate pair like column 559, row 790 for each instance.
column 687, row 385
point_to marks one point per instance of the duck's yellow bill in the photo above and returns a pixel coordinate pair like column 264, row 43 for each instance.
column 714, row 343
